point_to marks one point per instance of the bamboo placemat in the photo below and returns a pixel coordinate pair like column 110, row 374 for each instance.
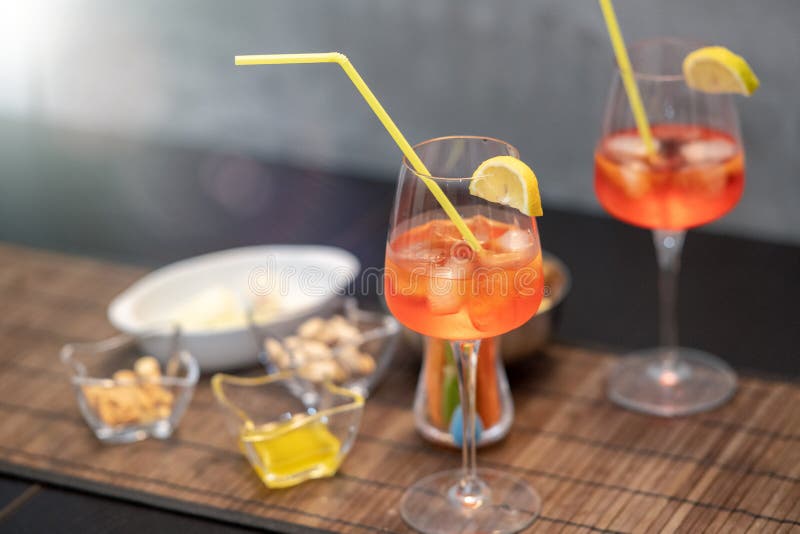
column 597, row 467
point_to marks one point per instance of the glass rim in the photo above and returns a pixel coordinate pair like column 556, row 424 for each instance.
column 79, row 375
column 355, row 400
column 655, row 77
column 407, row 164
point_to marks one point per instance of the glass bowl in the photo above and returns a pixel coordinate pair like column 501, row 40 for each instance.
column 371, row 334
column 286, row 440
column 126, row 396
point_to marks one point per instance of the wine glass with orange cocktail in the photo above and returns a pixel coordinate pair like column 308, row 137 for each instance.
column 439, row 285
column 691, row 174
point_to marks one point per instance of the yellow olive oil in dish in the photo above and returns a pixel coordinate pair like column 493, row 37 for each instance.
column 285, row 458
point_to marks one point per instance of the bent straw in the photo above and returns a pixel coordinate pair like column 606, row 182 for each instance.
column 388, row 123
column 625, row 70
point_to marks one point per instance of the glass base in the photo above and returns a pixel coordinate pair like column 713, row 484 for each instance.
column 504, row 504
column 695, row 383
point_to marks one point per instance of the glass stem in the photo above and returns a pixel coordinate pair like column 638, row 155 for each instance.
column 669, row 246
column 470, row 489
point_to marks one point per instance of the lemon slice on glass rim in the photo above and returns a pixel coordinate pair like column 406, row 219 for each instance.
column 715, row 69
column 508, row 181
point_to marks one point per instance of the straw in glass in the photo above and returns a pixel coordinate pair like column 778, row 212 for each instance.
column 388, row 123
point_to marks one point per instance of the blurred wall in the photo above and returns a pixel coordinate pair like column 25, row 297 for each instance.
column 533, row 73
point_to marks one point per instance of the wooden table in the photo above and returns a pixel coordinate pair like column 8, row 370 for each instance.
column 596, row 466
column 136, row 202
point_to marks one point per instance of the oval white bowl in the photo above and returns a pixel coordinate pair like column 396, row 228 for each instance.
column 307, row 279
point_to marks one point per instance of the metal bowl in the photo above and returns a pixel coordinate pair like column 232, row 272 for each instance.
column 535, row 334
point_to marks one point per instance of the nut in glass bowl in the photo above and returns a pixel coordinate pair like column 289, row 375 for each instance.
column 347, row 346
column 125, row 395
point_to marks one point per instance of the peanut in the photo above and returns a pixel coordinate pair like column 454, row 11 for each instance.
column 311, row 328
column 366, row 364
column 322, row 349
column 135, row 398
column 322, row 370
column 147, row 367
column 124, row 377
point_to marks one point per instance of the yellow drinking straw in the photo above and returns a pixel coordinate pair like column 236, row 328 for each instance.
column 625, row 70
column 388, row 123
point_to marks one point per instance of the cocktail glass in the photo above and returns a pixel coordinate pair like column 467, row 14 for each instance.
column 437, row 285
column 695, row 176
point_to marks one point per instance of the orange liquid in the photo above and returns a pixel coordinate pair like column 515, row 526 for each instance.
column 696, row 177
column 438, row 287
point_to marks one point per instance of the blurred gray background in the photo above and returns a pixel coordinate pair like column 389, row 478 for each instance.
column 532, row 72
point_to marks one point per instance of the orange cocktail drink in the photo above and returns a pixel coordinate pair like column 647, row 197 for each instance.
column 439, row 287
column 695, row 176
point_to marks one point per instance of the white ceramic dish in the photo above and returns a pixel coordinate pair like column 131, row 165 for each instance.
column 307, row 279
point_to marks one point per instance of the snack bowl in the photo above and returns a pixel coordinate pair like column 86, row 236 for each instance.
column 211, row 296
column 534, row 335
column 351, row 347
column 126, row 396
column 286, row 439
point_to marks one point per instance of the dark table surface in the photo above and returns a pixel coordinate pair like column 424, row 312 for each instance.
column 134, row 202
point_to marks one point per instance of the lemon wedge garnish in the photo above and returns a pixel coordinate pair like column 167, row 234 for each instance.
column 508, row 181
column 715, row 69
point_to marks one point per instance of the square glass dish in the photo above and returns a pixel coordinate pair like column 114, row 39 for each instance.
column 285, row 439
column 347, row 346
column 126, row 396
